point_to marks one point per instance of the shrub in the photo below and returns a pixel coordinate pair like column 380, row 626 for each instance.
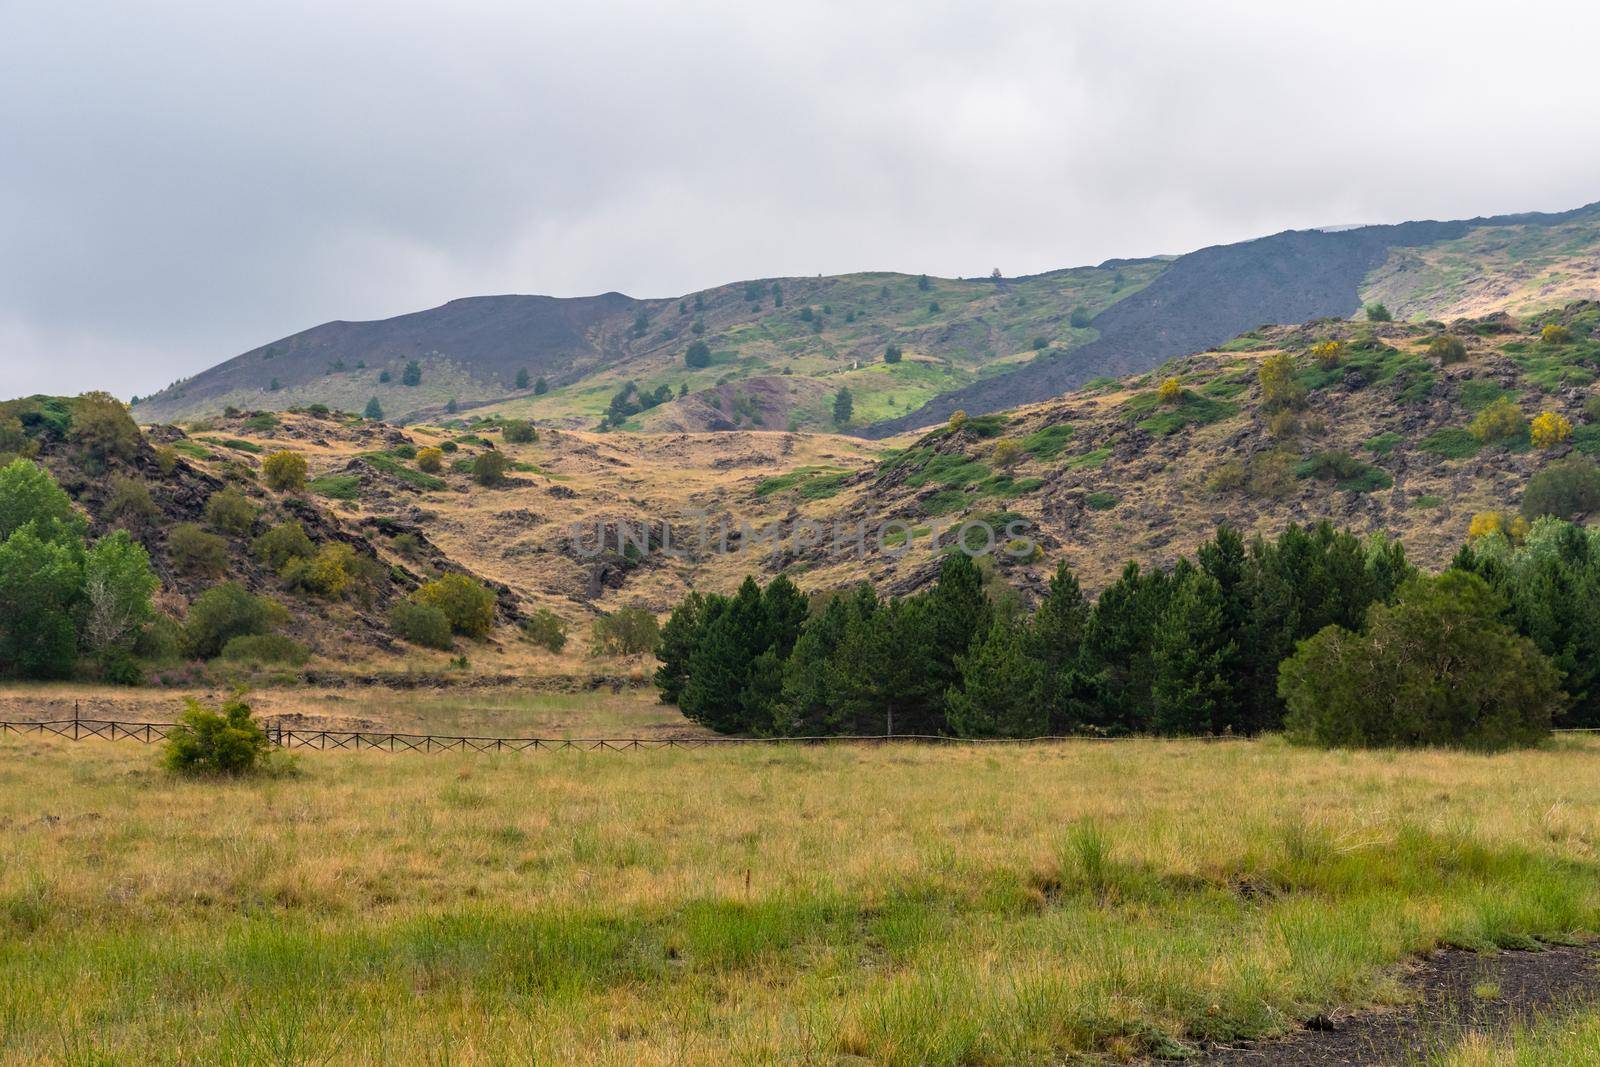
column 1500, row 421
column 1447, row 349
column 412, row 375
column 262, row 649
column 1555, row 335
column 489, row 468
column 1550, row 429
column 130, row 501
column 373, row 411
column 325, row 574
column 546, row 629
column 166, row 459
column 1006, row 453
column 1079, row 318
column 467, row 604
column 625, row 632
column 519, row 431
column 1437, row 668
column 698, row 354
column 1279, row 390
column 958, row 420
column 420, row 624
column 892, row 354
column 1170, row 391
column 282, row 543
column 1328, row 354
column 1378, row 313
column 102, row 427
column 285, row 471
column 1564, row 490
column 226, row 741
column 224, row 612
column 194, row 551
column 1271, row 475
column 230, row 511
column 430, row 460
column 1283, row 425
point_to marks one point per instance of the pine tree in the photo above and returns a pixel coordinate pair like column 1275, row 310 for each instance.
column 541, row 387
column 374, row 410
column 679, row 637
column 812, row 682
column 522, row 377
column 1056, row 643
column 999, row 688
column 1190, row 689
column 843, row 406
column 412, row 375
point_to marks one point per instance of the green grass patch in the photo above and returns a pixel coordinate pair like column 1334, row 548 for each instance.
column 1452, row 442
column 1191, row 409
column 409, row 475
column 1586, row 438
column 1085, row 460
column 952, row 470
column 193, row 450
column 1475, row 394
column 336, row 486
column 1345, row 471
column 233, row 443
column 1004, row 485
column 1049, row 442
column 1383, row 443
column 944, row 502
column 813, row 483
column 1101, row 501
column 1427, row 500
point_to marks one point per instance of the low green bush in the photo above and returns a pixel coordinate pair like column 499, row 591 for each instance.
column 225, row 741
column 265, row 649
column 420, row 624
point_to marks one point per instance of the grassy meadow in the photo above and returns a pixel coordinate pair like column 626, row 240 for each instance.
column 899, row 904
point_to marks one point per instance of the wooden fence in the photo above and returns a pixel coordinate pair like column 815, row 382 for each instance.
column 77, row 729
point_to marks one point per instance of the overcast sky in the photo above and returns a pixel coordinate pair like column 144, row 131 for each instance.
column 180, row 182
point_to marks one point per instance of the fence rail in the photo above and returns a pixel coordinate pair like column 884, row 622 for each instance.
column 383, row 741
column 392, row 741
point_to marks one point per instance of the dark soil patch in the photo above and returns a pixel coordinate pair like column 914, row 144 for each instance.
column 1458, row 993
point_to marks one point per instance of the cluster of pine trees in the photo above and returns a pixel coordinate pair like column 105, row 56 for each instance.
column 1190, row 650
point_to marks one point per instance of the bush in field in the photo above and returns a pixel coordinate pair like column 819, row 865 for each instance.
column 1170, row 391
column 519, row 431
column 224, row 612
column 285, row 471
column 420, row 624
column 698, row 355
column 1563, row 490
column 892, row 354
column 226, row 741
column 166, row 459
column 1555, row 335
column 1279, row 390
column 230, row 511
column 467, row 604
column 625, row 632
column 546, row 629
column 1549, row 429
column 430, row 460
column 194, row 551
column 489, row 469
column 1500, row 421
column 1437, row 668
column 266, row 649
column 1514, row 528
column 1378, row 313
column 1447, row 349
column 284, row 542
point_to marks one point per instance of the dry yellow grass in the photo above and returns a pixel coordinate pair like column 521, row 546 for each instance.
column 908, row 905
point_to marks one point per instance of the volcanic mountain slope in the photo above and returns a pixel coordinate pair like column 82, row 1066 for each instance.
column 1380, row 444
column 777, row 351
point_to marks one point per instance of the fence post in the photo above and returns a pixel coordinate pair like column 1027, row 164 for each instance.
column 76, row 715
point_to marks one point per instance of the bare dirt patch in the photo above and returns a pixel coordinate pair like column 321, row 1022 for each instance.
column 1458, row 993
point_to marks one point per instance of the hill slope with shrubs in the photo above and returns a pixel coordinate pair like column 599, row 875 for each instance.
column 907, row 350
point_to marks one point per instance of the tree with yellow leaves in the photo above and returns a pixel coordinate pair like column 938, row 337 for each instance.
column 1278, row 387
column 1549, row 429
column 1170, row 391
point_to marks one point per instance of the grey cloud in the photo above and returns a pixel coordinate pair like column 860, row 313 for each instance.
column 182, row 181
